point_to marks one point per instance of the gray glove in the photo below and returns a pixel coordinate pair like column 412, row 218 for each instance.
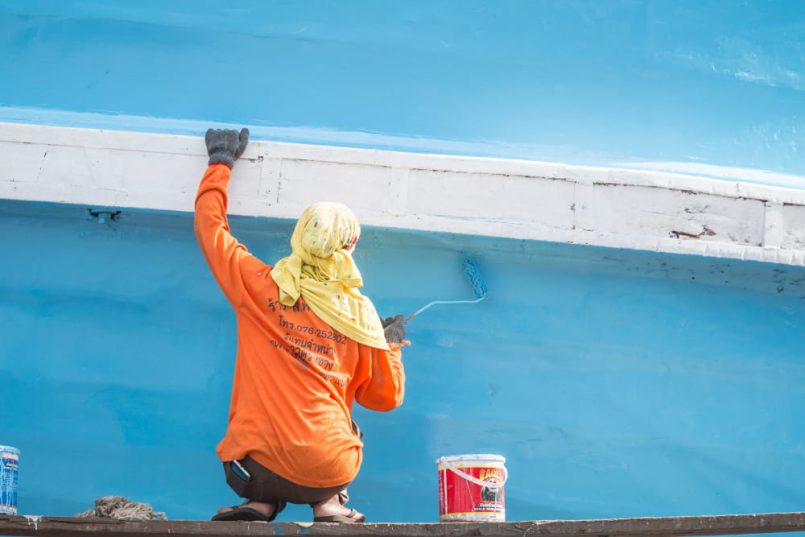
column 394, row 328
column 225, row 146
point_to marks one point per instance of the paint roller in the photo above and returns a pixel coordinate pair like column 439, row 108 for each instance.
column 477, row 282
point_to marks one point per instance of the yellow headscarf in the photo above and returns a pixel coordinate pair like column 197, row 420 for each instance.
column 321, row 269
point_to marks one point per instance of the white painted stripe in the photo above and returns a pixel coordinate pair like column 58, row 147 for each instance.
column 648, row 210
column 722, row 172
column 324, row 136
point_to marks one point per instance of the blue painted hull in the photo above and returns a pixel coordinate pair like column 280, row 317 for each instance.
column 616, row 383
column 590, row 82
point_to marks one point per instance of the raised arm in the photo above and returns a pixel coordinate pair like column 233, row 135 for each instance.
column 222, row 251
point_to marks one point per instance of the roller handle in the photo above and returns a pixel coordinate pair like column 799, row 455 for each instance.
column 426, row 306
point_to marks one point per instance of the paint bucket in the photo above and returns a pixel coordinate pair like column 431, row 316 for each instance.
column 9, row 470
column 471, row 488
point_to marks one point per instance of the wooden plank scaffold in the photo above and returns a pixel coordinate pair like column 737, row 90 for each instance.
column 23, row 526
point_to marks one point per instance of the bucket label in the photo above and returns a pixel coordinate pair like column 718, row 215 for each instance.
column 9, row 470
column 462, row 499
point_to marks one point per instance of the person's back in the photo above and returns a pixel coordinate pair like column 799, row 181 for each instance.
column 290, row 435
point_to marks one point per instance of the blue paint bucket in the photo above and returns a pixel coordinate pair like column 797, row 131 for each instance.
column 9, row 472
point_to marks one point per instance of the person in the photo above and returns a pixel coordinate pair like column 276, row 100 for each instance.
column 309, row 346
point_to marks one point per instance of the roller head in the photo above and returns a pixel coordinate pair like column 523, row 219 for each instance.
column 473, row 275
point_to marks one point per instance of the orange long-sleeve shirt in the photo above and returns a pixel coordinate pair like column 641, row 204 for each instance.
column 295, row 377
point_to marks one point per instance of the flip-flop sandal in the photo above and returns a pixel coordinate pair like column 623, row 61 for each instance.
column 238, row 512
column 350, row 518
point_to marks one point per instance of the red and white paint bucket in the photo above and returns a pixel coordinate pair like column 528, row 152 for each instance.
column 471, row 488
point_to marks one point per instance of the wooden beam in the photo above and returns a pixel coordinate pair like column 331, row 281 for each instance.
column 13, row 526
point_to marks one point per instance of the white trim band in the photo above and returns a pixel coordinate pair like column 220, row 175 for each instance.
column 646, row 210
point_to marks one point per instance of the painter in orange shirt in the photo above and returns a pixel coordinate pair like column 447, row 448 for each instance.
column 309, row 346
